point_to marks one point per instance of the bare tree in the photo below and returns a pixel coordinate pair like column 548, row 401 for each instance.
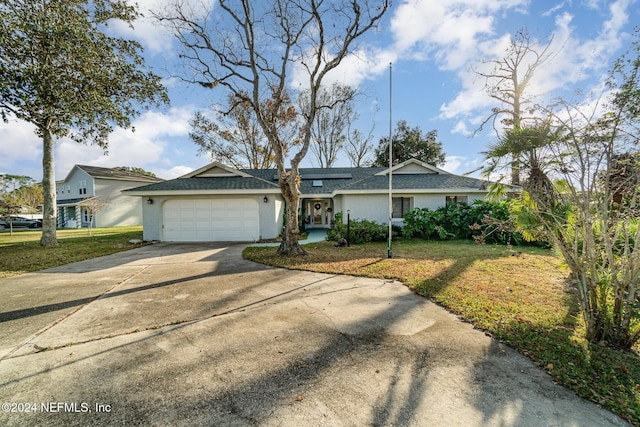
column 234, row 135
column 331, row 123
column 359, row 148
column 93, row 205
column 507, row 82
column 251, row 49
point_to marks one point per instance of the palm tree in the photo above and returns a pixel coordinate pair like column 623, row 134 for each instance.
column 529, row 147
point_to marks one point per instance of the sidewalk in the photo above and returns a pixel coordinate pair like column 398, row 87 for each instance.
column 313, row 235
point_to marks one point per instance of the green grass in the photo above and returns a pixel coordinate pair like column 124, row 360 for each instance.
column 521, row 296
column 21, row 252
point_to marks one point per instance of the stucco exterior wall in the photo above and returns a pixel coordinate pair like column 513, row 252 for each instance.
column 375, row 207
column 435, row 201
column 271, row 216
column 152, row 218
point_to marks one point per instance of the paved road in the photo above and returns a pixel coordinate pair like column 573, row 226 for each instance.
column 180, row 334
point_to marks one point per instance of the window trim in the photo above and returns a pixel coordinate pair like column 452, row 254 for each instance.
column 403, row 212
column 455, row 200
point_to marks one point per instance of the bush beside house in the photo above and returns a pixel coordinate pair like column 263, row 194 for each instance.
column 487, row 222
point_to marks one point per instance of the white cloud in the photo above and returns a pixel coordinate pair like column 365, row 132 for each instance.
column 360, row 66
column 462, row 165
column 449, row 30
column 553, row 9
column 154, row 35
column 354, row 69
column 572, row 60
column 174, row 172
column 20, row 146
column 144, row 147
column 452, row 163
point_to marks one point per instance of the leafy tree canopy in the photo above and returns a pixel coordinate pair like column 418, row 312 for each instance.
column 59, row 71
column 410, row 143
column 62, row 73
column 10, row 182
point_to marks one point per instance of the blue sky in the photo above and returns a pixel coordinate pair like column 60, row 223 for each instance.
column 432, row 45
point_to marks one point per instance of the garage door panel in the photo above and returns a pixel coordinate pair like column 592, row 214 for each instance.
column 211, row 220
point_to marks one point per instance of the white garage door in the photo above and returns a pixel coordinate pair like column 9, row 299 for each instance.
column 211, row 220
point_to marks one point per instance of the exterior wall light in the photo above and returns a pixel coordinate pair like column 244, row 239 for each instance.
column 266, row 199
column 149, row 201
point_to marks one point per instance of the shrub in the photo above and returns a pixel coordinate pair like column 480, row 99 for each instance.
column 361, row 230
column 487, row 221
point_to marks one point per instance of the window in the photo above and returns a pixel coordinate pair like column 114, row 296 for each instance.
column 85, row 215
column 82, row 186
column 401, row 205
column 452, row 200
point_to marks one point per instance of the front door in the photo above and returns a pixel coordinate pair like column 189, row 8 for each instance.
column 319, row 213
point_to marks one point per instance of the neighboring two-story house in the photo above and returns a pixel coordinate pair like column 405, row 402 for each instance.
column 85, row 182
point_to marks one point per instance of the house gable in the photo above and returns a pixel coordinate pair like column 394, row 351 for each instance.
column 413, row 167
column 123, row 174
column 75, row 174
column 216, row 170
column 77, row 184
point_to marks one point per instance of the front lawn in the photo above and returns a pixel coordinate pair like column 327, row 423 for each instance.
column 21, row 252
column 521, row 296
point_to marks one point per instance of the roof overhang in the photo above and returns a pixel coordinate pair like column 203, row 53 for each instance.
column 179, row 193
column 451, row 190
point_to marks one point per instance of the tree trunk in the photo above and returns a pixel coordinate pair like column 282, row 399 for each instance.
column 515, row 170
column 289, row 245
column 49, row 223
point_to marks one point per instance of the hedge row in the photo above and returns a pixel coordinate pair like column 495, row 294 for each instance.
column 481, row 220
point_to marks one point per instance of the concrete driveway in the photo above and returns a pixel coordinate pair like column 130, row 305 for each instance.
column 179, row 334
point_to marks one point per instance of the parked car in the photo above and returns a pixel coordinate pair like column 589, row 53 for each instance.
column 20, row 222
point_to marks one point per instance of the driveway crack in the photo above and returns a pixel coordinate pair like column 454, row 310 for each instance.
column 38, row 349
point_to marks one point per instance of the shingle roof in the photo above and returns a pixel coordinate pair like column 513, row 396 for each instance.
column 208, row 183
column 117, row 173
column 333, row 179
column 418, row 181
